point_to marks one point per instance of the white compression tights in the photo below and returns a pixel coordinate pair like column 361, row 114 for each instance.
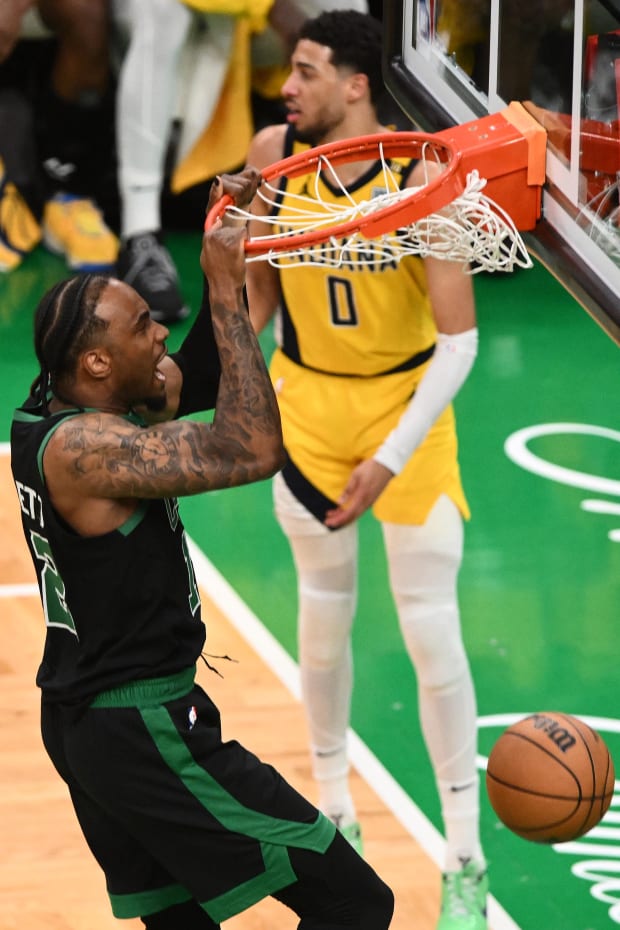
column 146, row 98
column 423, row 563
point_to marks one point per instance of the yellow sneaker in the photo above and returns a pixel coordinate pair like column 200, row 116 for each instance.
column 19, row 231
column 74, row 227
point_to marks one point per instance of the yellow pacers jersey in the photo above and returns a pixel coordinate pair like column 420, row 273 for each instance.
column 353, row 322
column 354, row 344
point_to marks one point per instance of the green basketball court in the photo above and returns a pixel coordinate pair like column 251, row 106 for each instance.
column 540, row 585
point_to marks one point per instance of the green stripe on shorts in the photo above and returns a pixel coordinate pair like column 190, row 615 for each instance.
column 142, row 903
column 273, row 834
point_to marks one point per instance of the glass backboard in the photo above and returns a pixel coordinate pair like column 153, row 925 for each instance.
column 448, row 62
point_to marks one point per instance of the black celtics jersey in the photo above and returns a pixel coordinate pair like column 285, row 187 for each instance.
column 118, row 607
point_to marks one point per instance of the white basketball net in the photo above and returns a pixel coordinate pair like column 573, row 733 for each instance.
column 472, row 229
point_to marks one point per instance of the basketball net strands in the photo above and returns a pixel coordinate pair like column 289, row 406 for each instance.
column 483, row 184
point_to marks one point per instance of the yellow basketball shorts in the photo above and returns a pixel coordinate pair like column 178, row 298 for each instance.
column 332, row 423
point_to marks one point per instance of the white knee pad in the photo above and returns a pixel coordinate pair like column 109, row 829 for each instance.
column 424, row 562
column 326, row 563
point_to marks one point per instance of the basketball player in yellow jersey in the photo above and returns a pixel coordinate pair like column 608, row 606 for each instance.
column 367, row 366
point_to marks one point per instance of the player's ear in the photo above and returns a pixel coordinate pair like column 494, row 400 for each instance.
column 357, row 87
column 96, row 362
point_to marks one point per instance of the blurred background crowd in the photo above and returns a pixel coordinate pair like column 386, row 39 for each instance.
column 116, row 114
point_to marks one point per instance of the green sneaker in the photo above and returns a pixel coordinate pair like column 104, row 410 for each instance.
column 464, row 899
column 352, row 833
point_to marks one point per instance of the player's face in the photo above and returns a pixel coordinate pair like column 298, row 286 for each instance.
column 136, row 345
column 315, row 93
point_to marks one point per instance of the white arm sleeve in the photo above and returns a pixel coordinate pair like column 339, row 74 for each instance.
column 451, row 363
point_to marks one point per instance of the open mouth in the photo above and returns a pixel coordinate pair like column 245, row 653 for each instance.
column 159, row 374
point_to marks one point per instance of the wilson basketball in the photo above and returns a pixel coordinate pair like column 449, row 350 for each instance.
column 550, row 778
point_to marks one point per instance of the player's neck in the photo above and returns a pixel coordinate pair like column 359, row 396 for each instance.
column 84, row 400
column 356, row 122
column 349, row 129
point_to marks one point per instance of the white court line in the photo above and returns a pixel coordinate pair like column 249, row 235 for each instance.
column 19, row 590
column 286, row 670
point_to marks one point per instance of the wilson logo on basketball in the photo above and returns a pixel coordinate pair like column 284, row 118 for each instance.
column 559, row 735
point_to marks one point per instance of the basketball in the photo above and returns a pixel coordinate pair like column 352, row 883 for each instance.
column 550, row 778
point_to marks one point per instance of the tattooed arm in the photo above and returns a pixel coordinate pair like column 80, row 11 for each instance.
column 99, row 465
column 193, row 371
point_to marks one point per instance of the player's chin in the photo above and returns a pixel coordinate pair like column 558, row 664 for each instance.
column 155, row 403
column 306, row 134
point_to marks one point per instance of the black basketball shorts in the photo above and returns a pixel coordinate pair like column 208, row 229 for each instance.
column 172, row 813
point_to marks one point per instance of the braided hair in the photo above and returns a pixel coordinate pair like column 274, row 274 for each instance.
column 64, row 323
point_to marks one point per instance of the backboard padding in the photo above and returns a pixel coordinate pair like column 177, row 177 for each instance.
column 571, row 85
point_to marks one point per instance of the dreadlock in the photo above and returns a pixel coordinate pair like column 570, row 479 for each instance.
column 63, row 325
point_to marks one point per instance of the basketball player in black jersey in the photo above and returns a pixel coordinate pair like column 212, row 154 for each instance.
column 188, row 829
